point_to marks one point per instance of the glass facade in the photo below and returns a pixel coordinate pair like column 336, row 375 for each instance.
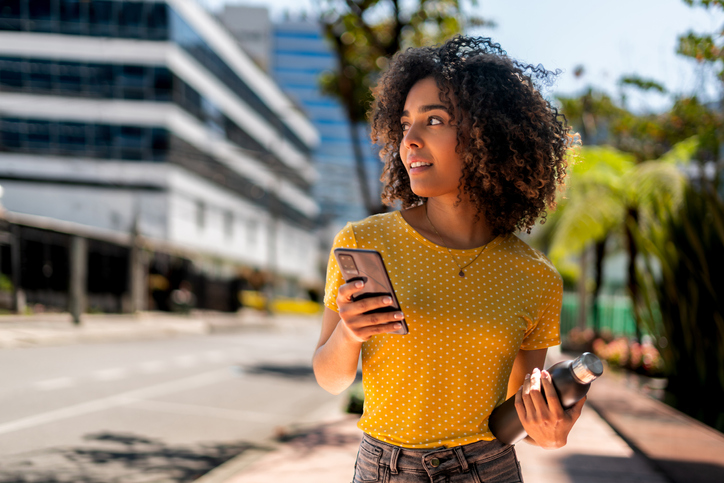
column 90, row 140
column 132, row 143
column 101, row 18
column 141, row 20
column 300, row 55
column 134, row 82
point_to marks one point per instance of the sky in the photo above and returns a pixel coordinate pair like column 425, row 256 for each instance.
column 608, row 38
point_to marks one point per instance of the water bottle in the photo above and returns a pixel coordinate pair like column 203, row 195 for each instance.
column 571, row 379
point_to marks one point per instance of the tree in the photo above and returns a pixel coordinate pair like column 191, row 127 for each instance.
column 610, row 194
column 365, row 34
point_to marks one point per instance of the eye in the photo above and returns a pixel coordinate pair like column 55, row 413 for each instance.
column 405, row 126
column 434, row 121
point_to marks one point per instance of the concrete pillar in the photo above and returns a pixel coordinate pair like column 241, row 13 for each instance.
column 15, row 261
column 138, row 278
column 78, row 276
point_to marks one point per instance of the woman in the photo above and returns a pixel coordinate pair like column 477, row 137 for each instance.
column 474, row 153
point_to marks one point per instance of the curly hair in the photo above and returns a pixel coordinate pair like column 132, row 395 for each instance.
column 513, row 143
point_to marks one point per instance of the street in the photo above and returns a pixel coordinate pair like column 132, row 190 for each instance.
column 161, row 410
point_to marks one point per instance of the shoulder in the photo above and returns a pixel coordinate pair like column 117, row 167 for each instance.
column 530, row 260
column 373, row 226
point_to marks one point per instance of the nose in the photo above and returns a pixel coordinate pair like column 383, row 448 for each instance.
column 412, row 137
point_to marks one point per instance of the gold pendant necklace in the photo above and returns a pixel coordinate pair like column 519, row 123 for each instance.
column 462, row 269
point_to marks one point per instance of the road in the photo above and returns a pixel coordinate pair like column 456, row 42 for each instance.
column 161, row 411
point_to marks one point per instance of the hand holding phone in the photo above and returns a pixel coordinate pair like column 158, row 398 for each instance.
column 368, row 266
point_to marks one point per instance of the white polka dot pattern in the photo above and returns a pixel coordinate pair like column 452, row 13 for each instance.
column 437, row 385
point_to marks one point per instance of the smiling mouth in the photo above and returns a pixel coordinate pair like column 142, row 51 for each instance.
column 419, row 164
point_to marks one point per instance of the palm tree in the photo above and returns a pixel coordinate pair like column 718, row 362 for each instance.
column 610, row 195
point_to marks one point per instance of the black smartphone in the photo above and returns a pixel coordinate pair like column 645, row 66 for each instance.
column 368, row 266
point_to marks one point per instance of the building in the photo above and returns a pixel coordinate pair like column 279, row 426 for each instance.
column 146, row 118
column 299, row 54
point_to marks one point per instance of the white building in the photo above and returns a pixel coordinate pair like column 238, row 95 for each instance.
column 147, row 113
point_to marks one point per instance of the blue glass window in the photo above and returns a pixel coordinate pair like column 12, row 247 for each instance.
column 130, row 19
column 11, row 74
column 40, row 13
column 71, row 136
column 10, row 15
column 101, row 16
column 70, row 16
column 38, row 134
column 69, row 78
column 40, row 75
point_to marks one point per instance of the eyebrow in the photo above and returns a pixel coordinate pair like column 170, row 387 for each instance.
column 427, row 108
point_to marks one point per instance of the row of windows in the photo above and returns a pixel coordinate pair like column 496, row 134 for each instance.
column 86, row 79
column 104, row 18
column 132, row 143
column 192, row 43
column 132, row 19
column 104, row 141
column 137, row 82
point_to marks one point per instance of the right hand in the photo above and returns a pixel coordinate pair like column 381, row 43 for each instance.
column 358, row 325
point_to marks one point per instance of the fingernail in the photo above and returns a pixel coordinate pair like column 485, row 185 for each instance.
column 387, row 300
column 399, row 315
column 398, row 325
column 527, row 376
column 359, row 284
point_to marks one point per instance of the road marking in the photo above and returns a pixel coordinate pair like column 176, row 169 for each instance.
column 58, row 383
column 206, row 411
column 204, row 379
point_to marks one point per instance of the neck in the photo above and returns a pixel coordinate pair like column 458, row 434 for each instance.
column 457, row 224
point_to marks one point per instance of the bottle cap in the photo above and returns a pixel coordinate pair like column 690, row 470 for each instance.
column 587, row 367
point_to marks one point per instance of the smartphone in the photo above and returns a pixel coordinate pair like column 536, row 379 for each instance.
column 367, row 265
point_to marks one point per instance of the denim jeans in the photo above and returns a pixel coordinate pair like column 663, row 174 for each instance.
column 481, row 462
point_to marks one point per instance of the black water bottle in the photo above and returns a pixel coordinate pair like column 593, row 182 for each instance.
column 571, row 379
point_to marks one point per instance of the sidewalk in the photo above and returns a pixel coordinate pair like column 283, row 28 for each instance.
column 622, row 436
column 58, row 328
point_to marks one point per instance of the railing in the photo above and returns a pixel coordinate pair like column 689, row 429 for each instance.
column 614, row 315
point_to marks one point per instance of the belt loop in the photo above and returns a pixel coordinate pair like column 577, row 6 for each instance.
column 461, row 457
column 393, row 460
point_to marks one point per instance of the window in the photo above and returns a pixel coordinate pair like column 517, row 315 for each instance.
column 41, row 15
column 38, row 135
column 70, row 17
column 100, row 17
column 10, row 15
column 130, row 19
column 71, row 136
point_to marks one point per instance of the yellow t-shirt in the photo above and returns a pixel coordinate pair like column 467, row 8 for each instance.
column 437, row 385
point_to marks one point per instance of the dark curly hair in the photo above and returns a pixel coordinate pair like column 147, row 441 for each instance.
column 512, row 141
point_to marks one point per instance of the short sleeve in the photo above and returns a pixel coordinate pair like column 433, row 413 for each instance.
column 344, row 239
column 546, row 331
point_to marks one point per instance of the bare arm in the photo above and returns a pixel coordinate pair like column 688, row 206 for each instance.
column 340, row 342
column 544, row 419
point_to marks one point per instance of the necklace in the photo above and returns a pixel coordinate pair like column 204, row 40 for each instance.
column 462, row 268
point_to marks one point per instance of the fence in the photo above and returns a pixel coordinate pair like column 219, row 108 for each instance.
column 615, row 315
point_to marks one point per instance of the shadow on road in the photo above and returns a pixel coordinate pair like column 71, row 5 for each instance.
column 118, row 458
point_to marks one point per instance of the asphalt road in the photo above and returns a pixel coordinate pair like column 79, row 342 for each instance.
column 152, row 411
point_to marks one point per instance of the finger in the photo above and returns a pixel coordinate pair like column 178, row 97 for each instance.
column 553, row 402
column 520, row 405
column 575, row 411
column 536, row 394
column 529, row 406
column 348, row 290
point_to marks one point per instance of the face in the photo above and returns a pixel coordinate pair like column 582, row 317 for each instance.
column 428, row 148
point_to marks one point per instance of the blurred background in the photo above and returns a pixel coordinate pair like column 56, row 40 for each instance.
column 187, row 161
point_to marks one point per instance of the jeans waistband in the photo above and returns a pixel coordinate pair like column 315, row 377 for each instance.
column 433, row 461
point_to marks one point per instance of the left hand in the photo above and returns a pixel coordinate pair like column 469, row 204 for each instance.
column 544, row 419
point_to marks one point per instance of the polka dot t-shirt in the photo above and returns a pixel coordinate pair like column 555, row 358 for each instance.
column 437, row 385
